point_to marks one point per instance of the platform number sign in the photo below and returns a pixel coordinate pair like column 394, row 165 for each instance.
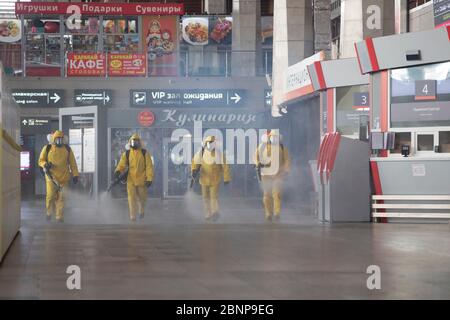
column 425, row 90
column 361, row 100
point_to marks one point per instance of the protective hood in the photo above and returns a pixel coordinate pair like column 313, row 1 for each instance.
column 209, row 139
column 134, row 137
column 57, row 134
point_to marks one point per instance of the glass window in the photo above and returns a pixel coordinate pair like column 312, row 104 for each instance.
column 81, row 43
column 444, row 141
column 121, row 35
column 88, row 25
column 401, row 138
column 43, row 50
column 420, row 96
column 425, row 142
column 351, row 114
column 121, row 43
column 120, row 25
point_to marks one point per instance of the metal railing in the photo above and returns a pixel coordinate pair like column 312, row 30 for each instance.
column 188, row 63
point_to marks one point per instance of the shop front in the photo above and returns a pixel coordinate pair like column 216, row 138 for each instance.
column 158, row 130
column 410, row 123
column 99, row 39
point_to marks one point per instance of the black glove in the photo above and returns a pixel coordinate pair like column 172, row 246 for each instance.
column 75, row 180
column 117, row 174
column 226, row 182
column 148, row 184
column 48, row 165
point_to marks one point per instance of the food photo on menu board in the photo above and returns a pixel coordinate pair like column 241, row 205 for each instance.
column 10, row 30
column 201, row 31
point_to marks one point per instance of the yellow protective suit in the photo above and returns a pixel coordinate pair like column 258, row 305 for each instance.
column 211, row 173
column 140, row 171
column 63, row 167
column 273, row 171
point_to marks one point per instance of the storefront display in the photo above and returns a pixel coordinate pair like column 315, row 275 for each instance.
column 42, row 47
column 54, row 34
column 121, row 35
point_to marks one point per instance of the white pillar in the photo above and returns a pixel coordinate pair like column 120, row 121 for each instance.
column 293, row 40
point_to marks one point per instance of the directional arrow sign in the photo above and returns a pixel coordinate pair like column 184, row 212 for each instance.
column 24, row 122
column 236, row 98
column 187, row 98
column 55, row 98
column 38, row 98
column 89, row 97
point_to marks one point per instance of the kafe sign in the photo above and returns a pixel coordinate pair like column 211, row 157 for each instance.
column 298, row 81
column 86, row 64
column 187, row 98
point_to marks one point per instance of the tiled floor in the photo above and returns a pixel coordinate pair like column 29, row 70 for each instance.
column 173, row 254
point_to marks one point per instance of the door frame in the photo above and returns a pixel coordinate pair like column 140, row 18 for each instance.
column 101, row 174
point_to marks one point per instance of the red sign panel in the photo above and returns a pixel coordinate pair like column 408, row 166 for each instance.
column 146, row 118
column 159, row 34
column 124, row 64
column 99, row 8
column 86, row 64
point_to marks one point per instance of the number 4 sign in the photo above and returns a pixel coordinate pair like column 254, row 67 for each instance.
column 425, row 90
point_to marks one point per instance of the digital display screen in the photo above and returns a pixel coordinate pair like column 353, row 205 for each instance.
column 25, row 161
column 420, row 96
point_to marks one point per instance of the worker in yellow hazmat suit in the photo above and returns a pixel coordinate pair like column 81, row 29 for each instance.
column 273, row 163
column 139, row 164
column 212, row 167
column 58, row 161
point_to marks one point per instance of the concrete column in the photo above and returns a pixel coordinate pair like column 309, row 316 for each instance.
column 322, row 26
column 401, row 16
column 293, row 40
column 215, row 6
column 362, row 19
column 247, row 55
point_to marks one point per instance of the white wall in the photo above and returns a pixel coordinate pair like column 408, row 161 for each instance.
column 9, row 167
column 421, row 18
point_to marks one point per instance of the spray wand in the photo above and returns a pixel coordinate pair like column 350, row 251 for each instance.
column 49, row 175
column 120, row 178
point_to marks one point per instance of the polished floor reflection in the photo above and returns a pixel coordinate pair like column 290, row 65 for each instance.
column 174, row 255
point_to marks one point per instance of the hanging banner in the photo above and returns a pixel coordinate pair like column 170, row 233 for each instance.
column 160, row 36
column 124, row 64
column 99, row 8
column 86, row 64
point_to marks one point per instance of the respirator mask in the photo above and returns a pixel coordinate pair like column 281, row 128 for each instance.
column 135, row 144
column 210, row 145
column 59, row 142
